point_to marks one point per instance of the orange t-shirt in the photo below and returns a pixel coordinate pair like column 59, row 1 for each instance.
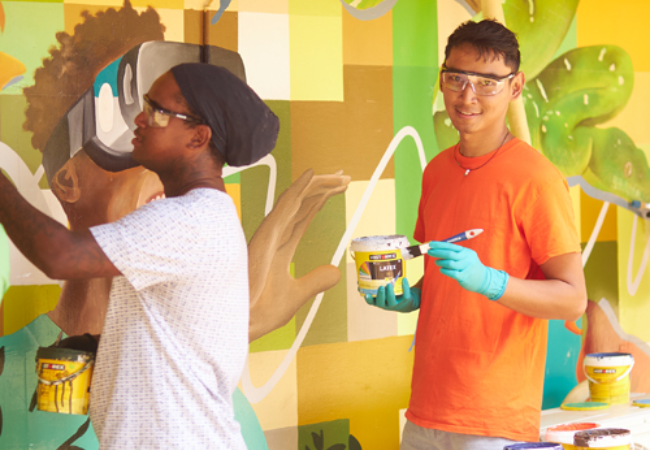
column 479, row 366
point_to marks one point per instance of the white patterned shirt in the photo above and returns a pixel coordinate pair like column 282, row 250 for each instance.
column 175, row 337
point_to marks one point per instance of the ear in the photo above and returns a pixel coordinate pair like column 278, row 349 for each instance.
column 65, row 183
column 517, row 85
column 201, row 137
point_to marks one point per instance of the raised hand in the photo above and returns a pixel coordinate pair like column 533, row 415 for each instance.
column 275, row 295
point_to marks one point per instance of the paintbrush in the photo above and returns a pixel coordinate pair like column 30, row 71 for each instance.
column 418, row 250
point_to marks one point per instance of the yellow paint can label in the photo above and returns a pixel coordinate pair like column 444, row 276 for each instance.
column 609, row 377
column 378, row 262
column 64, row 377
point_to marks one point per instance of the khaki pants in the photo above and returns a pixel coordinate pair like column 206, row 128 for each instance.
column 418, row 438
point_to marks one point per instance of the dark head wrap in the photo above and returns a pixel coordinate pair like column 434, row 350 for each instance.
column 244, row 129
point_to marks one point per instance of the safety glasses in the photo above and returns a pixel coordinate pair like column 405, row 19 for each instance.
column 158, row 116
column 482, row 84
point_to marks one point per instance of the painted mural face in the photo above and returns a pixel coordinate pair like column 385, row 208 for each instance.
column 472, row 113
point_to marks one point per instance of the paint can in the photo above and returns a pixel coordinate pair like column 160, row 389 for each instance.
column 533, row 445
column 64, row 376
column 378, row 260
column 563, row 434
column 609, row 376
column 603, row 438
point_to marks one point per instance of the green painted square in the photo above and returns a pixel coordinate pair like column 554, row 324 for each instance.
column 570, row 39
column 255, row 182
column 279, row 339
column 22, row 304
column 12, row 117
column 601, row 272
column 415, row 33
column 412, row 100
column 316, row 249
column 30, row 30
column 324, row 435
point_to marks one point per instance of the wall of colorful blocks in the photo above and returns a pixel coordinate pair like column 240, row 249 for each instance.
column 354, row 83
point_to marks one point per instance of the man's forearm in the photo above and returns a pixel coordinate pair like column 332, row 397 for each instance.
column 562, row 295
column 57, row 251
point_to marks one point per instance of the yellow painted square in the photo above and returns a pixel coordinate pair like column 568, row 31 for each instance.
column 279, row 409
column 634, row 306
column 214, row 5
column 367, row 382
column 104, row 3
column 156, row 4
column 622, row 23
column 174, row 21
column 633, row 119
column 266, row 6
column 316, row 8
column 234, row 190
column 368, row 42
column 316, row 54
column 23, row 304
column 589, row 211
column 366, row 321
column 450, row 14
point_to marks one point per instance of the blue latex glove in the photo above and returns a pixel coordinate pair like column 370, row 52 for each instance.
column 463, row 265
column 386, row 299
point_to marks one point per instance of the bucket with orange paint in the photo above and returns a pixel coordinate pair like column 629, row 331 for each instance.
column 64, row 376
column 563, row 434
column 609, row 376
column 603, row 439
column 379, row 262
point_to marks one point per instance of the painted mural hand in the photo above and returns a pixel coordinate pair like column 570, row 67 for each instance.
column 463, row 265
column 386, row 298
column 276, row 296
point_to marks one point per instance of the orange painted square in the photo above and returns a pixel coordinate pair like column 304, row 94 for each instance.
column 368, row 42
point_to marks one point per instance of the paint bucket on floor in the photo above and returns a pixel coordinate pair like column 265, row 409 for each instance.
column 609, row 376
column 379, row 262
column 603, row 438
column 563, row 434
column 63, row 379
column 533, row 445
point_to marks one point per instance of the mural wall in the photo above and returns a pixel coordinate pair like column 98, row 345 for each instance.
column 354, row 84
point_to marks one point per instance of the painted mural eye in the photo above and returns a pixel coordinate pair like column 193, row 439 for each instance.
column 126, row 85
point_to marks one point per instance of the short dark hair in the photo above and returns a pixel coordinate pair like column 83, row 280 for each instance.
column 489, row 38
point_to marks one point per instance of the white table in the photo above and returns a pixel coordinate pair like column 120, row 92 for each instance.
column 633, row 418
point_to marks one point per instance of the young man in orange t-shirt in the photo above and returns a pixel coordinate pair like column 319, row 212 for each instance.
column 481, row 337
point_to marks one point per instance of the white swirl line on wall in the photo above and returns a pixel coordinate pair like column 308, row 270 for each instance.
column 632, row 287
column 594, row 234
column 268, row 161
column 257, row 394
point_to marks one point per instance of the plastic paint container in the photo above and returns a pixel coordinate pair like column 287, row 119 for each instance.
column 603, row 438
column 63, row 379
column 379, row 262
column 584, row 406
column 532, row 445
column 563, row 434
column 609, row 376
column 642, row 403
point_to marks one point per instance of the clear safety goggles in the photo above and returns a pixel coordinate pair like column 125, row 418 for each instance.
column 482, row 84
column 158, row 116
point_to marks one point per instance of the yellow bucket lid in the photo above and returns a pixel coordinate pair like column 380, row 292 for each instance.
column 642, row 403
column 584, row 406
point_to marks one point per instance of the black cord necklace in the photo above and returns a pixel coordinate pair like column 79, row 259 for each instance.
column 490, row 159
